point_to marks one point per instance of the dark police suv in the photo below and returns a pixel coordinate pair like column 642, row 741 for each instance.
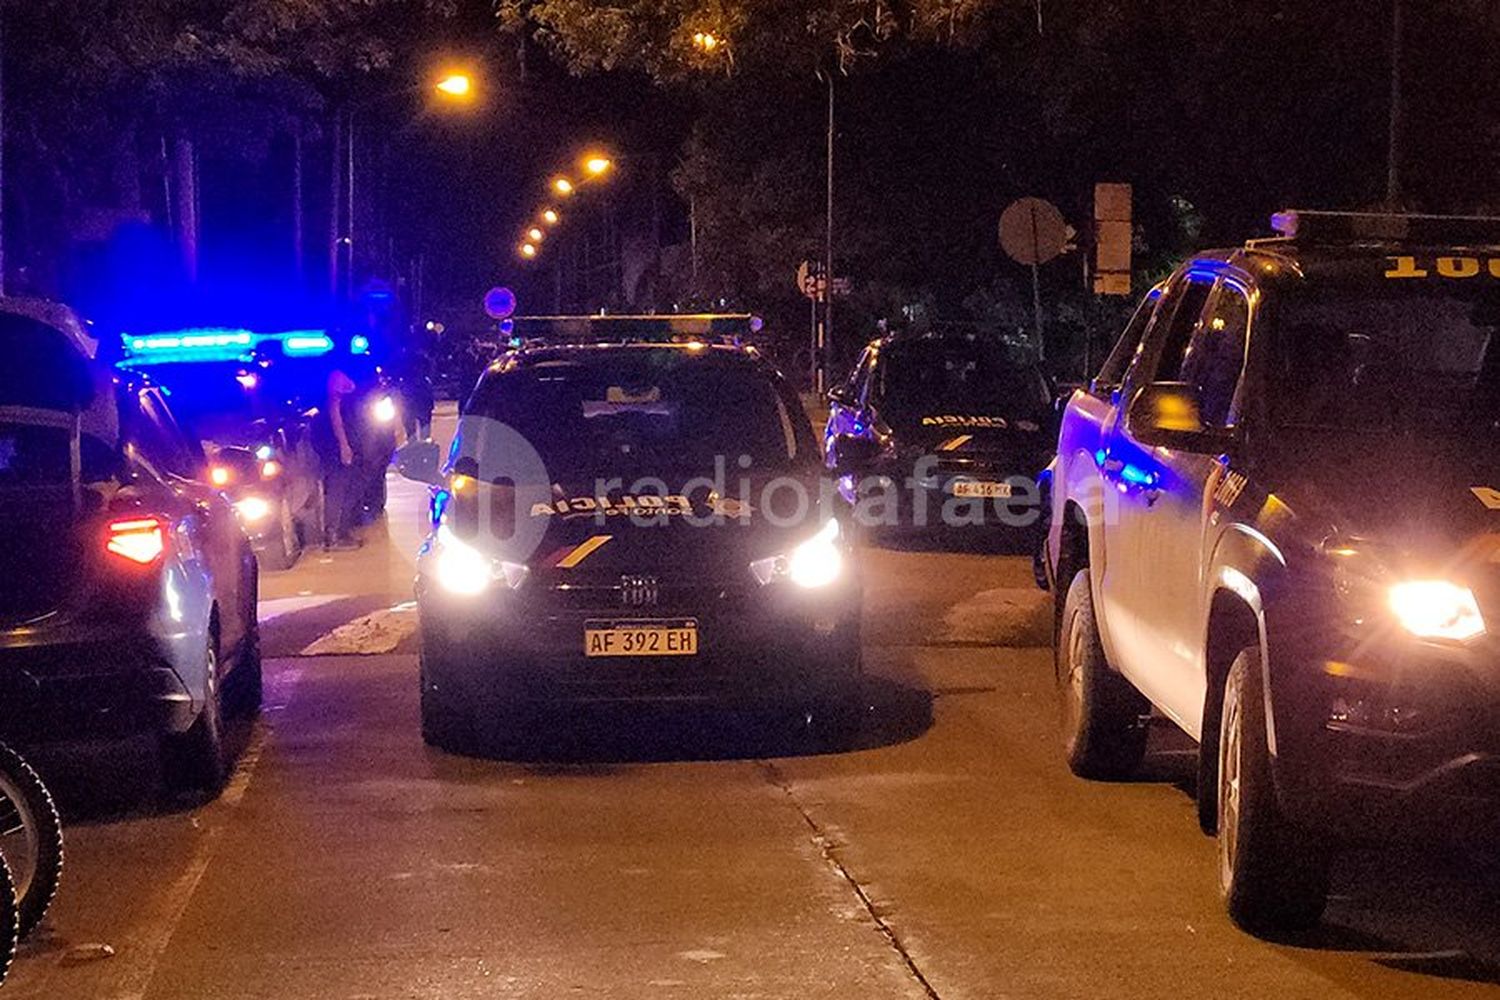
column 1277, row 520
column 127, row 588
column 634, row 521
column 945, row 428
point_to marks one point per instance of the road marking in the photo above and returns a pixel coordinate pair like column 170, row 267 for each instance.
column 161, row 920
column 275, row 607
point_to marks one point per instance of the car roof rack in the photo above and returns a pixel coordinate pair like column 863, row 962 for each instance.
column 1304, row 226
column 670, row 328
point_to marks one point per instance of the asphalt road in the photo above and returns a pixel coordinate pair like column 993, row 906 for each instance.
column 646, row 854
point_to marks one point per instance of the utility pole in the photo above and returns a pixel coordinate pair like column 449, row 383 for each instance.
column 2, row 147
column 825, row 336
column 1393, row 149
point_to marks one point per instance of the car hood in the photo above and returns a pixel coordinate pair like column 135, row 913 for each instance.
column 1429, row 500
column 692, row 530
column 969, row 433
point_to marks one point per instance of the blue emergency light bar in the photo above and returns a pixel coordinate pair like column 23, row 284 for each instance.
column 223, row 344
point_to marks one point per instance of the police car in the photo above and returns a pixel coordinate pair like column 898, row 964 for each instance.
column 941, row 429
column 127, row 588
column 1277, row 524
column 643, row 519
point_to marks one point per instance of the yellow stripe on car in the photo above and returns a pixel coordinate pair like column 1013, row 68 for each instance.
column 955, row 443
column 583, row 551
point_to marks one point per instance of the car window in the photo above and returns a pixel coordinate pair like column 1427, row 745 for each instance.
column 161, row 442
column 1216, row 356
column 643, row 412
column 1173, row 326
column 1112, row 373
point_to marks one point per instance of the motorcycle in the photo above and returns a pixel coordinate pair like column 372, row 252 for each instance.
column 31, row 844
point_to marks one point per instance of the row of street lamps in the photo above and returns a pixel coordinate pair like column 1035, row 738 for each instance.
column 593, row 166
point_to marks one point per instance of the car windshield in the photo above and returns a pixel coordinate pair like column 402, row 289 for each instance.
column 1417, row 358
column 641, row 411
column 927, row 377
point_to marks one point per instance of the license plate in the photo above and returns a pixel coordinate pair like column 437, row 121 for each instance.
column 647, row 638
column 980, row 489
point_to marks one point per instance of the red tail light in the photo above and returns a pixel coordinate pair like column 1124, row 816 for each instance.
column 141, row 540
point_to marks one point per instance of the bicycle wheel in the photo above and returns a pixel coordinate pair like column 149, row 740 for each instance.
column 10, row 922
column 30, row 838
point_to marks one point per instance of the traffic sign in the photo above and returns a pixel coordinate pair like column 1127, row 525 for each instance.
column 1032, row 231
column 499, row 303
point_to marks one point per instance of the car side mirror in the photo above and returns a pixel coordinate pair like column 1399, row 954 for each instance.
column 1170, row 415
column 854, row 455
column 420, row 461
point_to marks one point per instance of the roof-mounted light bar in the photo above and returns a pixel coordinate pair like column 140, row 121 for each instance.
column 1307, row 226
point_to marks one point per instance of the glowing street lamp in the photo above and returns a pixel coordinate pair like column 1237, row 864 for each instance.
column 597, row 165
column 534, row 234
column 459, row 85
column 550, row 217
column 706, row 40
column 563, row 186
column 528, row 250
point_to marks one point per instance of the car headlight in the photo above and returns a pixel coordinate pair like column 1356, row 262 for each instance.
column 385, row 409
column 463, row 569
column 253, row 509
column 814, row 563
column 1437, row 609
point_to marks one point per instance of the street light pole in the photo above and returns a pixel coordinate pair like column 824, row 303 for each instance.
column 1393, row 148
column 825, row 335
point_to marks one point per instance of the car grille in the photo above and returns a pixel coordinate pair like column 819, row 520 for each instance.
column 637, row 595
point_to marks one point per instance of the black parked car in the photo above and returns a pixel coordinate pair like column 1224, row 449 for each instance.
column 589, row 544
column 950, row 425
column 1276, row 513
column 127, row 588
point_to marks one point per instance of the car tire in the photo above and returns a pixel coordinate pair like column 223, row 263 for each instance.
column 250, row 675
column 10, row 921
column 443, row 726
column 197, row 761
column 1273, row 876
column 282, row 553
column 23, row 794
column 1103, row 716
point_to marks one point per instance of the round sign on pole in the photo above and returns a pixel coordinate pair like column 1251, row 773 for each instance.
column 499, row 303
column 1032, row 231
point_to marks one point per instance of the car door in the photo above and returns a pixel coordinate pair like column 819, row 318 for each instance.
column 212, row 524
column 1140, row 575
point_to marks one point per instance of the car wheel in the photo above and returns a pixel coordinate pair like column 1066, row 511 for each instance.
column 1103, row 716
column 196, row 761
column 443, row 726
column 31, row 839
column 10, row 920
column 1272, row 875
column 282, row 553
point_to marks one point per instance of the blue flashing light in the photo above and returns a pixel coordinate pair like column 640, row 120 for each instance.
column 306, row 343
column 359, row 344
column 264, row 452
column 1099, row 457
column 1136, row 476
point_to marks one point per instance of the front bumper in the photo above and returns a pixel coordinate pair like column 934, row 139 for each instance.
column 1396, row 742
column 89, row 683
column 757, row 646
